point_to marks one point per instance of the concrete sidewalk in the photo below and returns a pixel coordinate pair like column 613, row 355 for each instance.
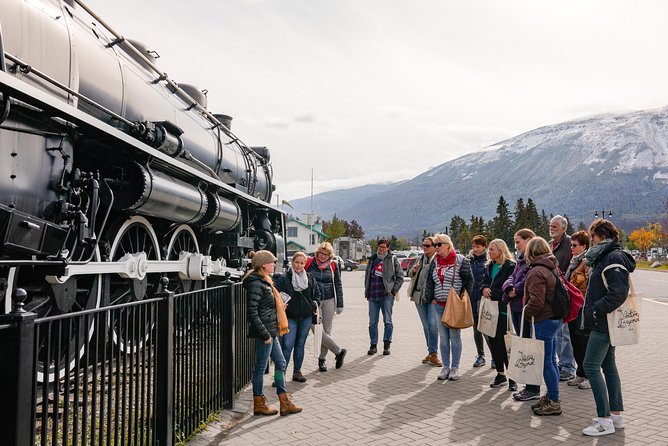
column 396, row 400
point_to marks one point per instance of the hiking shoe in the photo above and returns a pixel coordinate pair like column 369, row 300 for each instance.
column 386, row 347
column 427, row 359
column 550, row 408
column 599, row 426
column 541, row 402
column 576, row 381
column 566, row 376
column 526, row 395
column 479, row 361
column 512, row 386
column 617, row 421
column 372, row 350
column 297, row 376
column 454, row 374
column 499, row 381
column 433, row 360
column 445, row 374
column 585, row 385
column 339, row 358
column 321, row 365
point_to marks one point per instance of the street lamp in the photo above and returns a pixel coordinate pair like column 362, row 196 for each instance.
column 603, row 212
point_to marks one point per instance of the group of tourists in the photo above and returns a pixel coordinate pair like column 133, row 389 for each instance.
column 282, row 307
column 579, row 352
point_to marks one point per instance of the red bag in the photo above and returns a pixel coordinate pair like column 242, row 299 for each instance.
column 576, row 298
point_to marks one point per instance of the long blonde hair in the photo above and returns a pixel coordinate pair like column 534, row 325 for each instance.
column 503, row 248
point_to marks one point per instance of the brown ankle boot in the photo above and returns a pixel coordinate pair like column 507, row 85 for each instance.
column 287, row 406
column 260, row 406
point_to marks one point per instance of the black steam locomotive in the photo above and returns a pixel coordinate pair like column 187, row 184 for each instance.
column 111, row 174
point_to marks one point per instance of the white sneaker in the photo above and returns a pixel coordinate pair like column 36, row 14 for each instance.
column 454, row 374
column 584, row 384
column 445, row 373
column 599, row 426
column 617, row 421
column 576, row 381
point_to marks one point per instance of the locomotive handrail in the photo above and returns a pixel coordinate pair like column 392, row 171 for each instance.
column 162, row 76
column 3, row 67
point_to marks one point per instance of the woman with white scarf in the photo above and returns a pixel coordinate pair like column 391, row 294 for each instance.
column 301, row 307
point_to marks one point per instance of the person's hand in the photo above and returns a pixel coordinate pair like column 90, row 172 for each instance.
column 486, row 292
column 339, row 310
column 267, row 341
column 512, row 293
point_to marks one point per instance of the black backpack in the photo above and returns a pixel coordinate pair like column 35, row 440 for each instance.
column 561, row 304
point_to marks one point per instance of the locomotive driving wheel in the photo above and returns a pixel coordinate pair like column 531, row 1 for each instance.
column 130, row 331
column 183, row 239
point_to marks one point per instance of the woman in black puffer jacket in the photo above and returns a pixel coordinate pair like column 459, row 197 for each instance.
column 267, row 320
column 304, row 293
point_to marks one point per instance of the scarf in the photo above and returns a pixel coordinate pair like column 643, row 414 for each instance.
column 323, row 265
column 280, row 307
column 299, row 280
column 576, row 260
column 443, row 262
column 592, row 253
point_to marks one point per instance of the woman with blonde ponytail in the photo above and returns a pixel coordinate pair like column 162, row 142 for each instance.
column 267, row 321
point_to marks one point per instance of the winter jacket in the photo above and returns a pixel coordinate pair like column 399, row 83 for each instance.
column 600, row 300
column 329, row 282
column 393, row 275
column 418, row 282
column 539, row 287
column 496, row 285
column 516, row 282
column 303, row 303
column 563, row 252
column 464, row 281
column 478, row 270
column 261, row 308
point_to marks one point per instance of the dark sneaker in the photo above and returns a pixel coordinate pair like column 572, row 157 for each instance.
column 479, row 361
column 541, row 402
column 340, row 357
column 566, row 376
column 550, row 408
column 297, row 376
column 499, row 381
column 512, row 386
column 372, row 350
column 321, row 365
column 386, row 347
column 526, row 395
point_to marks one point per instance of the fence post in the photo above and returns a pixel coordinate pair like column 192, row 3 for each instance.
column 164, row 391
column 17, row 373
column 229, row 345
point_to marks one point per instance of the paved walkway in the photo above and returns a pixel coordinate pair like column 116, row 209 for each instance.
column 396, row 400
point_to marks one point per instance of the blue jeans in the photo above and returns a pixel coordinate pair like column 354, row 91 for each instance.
column 429, row 325
column 451, row 340
column 296, row 338
column 377, row 306
column 262, row 354
column 607, row 392
column 565, row 350
column 546, row 331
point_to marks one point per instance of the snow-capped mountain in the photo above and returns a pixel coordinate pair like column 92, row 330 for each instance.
column 612, row 162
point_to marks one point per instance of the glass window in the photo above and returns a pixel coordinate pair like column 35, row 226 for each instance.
column 292, row 231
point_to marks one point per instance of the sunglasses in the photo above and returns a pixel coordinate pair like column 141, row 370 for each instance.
column 439, row 244
column 574, row 245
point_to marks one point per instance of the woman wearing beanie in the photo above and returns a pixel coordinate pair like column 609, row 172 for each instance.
column 267, row 320
column 304, row 293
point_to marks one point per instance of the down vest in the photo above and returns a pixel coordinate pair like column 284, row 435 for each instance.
column 261, row 315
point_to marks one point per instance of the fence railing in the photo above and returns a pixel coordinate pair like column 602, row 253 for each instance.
column 141, row 373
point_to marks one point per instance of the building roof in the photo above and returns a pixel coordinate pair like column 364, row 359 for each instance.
column 292, row 242
column 307, row 226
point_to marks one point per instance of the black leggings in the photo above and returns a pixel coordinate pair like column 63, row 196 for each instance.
column 579, row 342
column 498, row 344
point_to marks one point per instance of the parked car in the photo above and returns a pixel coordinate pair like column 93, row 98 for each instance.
column 350, row 265
column 408, row 262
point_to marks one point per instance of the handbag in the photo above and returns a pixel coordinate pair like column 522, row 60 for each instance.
column 317, row 332
column 525, row 364
column 510, row 334
column 488, row 317
column 458, row 312
column 624, row 322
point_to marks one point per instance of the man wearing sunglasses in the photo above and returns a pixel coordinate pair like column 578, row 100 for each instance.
column 382, row 280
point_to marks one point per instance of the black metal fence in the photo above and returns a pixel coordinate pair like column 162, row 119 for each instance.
column 142, row 373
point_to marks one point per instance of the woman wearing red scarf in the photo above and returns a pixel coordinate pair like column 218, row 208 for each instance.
column 448, row 269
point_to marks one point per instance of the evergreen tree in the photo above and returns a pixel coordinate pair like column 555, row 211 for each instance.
column 569, row 227
column 534, row 220
column 521, row 216
column 543, row 229
column 582, row 227
column 502, row 225
column 459, row 231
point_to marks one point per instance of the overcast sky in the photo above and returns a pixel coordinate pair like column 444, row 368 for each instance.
column 378, row 91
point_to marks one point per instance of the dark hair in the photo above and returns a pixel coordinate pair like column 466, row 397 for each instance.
column 581, row 237
column 383, row 241
column 525, row 233
column 604, row 229
column 479, row 240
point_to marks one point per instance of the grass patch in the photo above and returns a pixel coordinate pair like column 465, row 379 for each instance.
column 645, row 264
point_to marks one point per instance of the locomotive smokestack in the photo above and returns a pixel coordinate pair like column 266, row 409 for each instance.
column 226, row 120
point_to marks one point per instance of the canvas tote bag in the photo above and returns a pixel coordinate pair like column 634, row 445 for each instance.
column 488, row 316
column 525, row 364
column 624, row 322
column 317, row 332
column 458, row 312
column 510, row 334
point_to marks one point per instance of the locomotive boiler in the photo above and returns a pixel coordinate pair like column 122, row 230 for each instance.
column 111, row 174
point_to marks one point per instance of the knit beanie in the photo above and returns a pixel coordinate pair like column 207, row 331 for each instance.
column 262, row 257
